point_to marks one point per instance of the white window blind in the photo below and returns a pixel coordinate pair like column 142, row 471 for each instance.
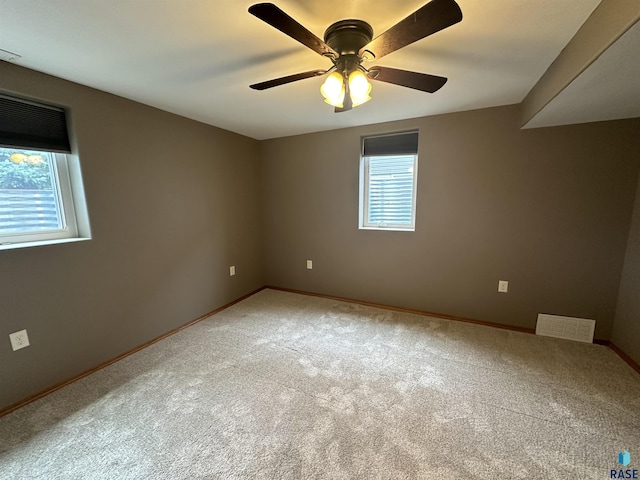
column 390, row 199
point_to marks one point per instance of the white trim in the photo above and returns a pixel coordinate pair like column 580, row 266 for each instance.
column 363, row 210
column 66, row 204
column 389, row 229
column 12, row 246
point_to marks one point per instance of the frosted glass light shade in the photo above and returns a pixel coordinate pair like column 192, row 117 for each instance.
column 333, row 89
column 359, row 87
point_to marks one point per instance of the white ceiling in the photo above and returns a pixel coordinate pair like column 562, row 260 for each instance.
column 197, row 58
column 608, row 90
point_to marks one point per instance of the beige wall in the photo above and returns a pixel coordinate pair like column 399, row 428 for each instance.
column 546, row 209
column 172, row 204
column 626, row 328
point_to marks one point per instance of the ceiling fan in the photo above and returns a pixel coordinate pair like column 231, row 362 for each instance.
column 349, row 43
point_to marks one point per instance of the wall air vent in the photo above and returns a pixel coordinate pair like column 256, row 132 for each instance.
column 569, row 328
column 8, row 56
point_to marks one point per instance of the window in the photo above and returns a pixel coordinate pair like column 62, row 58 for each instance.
column 388, row 176
column 38, row 197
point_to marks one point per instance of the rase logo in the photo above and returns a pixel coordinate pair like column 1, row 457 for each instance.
column 624, row 459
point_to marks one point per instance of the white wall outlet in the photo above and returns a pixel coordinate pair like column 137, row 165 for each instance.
column 503, row 286
column 19, row 340
column 232, row 270
column 309, row 264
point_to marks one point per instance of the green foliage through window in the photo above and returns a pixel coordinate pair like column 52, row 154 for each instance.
column 24, row 170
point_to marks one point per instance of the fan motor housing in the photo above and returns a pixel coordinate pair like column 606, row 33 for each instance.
column 347, row 37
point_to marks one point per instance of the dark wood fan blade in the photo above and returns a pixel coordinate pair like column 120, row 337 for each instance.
column 431, row 18
column 405, row 78
column 288, row 79
column 269, row 13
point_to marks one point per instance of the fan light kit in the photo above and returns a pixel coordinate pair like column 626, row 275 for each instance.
column 334, row 88
column 349, row 43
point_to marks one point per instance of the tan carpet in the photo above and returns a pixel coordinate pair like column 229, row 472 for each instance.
column 290, row 386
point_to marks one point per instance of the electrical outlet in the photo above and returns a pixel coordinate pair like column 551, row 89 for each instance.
column 309, row 264
column 19, row 340
column 232, row 270
column 503, row 286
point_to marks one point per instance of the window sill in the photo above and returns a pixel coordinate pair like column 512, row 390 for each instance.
column 12, row 246
column 390, row 229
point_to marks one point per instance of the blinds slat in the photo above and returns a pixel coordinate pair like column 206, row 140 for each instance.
column 28, row 210
column 391, row 190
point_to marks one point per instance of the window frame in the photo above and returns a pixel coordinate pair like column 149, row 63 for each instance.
column 30, row 125
column 364, row 187
column 63, row 194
